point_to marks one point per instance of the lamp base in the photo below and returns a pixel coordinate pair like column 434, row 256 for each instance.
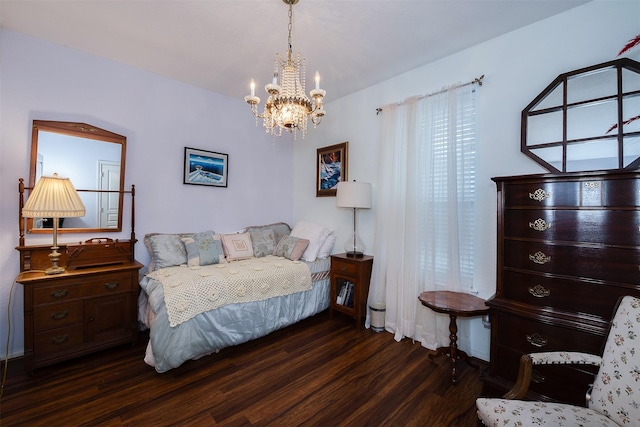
column 54, row 256
column 54, row 270
column 354, row 254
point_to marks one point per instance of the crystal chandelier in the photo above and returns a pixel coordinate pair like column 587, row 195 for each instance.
column 287, row 106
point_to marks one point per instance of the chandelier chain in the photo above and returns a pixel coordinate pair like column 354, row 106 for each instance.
column 290, row 27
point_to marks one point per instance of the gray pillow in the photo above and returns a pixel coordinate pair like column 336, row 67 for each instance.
column 291, row 247
column 203, row 248
column 280, row 229
column 166, row 250
column 263, row 241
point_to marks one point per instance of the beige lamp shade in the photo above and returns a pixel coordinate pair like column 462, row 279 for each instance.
column 353, row 194
column 53, row 197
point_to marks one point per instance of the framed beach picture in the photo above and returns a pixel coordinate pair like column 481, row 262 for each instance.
column 331, row 168
column 205, row 167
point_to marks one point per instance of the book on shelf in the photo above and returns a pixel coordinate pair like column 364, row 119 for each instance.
column 345, row 294
column 348, row 300
column 341, row 293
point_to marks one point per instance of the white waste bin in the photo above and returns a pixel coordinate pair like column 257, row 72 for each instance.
column 376, row 316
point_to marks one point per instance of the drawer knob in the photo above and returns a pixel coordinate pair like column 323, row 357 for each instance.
column 539, row 258
column 61, row 339
column 343, row 268
column 537, row 340
column 539, row 291
column 111, row 285
column 60, row 293
column 540, row 225
column 539, row 195
column 592, row 185
column 59, row 315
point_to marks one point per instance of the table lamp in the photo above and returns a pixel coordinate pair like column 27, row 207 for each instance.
column 53, row 197
column 354, row 195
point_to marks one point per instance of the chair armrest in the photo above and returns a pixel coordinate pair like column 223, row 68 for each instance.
column 521, row 386
column 564, row 358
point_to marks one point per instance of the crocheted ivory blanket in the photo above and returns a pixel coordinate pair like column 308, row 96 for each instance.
column 189, row 291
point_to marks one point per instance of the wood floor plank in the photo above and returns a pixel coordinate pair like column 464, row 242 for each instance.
column 319, row 372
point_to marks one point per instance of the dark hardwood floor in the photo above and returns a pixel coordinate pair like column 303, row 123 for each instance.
column 319, row 372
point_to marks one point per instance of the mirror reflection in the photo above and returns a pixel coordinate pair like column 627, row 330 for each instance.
column 93, row 159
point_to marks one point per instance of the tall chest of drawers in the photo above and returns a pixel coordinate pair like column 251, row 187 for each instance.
column 568, row 248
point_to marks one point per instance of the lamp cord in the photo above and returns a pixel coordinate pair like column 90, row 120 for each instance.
column 6, row 351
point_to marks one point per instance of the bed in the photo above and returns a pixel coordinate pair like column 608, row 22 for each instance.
column 203, row 292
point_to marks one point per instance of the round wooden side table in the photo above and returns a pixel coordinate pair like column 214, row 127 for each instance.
column 454, row 304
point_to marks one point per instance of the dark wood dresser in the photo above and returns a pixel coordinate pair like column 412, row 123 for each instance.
column 568, row 248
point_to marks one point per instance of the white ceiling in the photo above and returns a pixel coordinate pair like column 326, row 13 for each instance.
column 222, row 44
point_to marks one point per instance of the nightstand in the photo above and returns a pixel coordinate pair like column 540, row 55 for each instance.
column 350, row 278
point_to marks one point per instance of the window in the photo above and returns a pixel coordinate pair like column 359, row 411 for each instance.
column 425, row 212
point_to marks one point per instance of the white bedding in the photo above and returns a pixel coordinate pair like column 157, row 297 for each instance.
column 225, row 326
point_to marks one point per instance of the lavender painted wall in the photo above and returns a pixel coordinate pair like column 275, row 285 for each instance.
column 159, row 117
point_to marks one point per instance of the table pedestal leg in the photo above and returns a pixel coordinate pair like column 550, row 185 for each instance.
column 452, row 352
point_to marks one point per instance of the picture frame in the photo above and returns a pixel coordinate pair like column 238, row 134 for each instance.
column 202, row 167
column 332, row 164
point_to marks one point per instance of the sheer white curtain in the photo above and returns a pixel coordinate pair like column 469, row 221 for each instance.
column 425, row 209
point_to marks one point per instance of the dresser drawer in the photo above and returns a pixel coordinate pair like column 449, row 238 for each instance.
column 528, row 335
column 600, row 263
column 83, row 287
column 614, row 227
column 58, row 340
column 563, row 294
column 343, row 268
column 563, row 382
column 77, row 312
column 519, row 335
column 542, row 194
column 607, row 192
column 55, row 315
column 621, row 192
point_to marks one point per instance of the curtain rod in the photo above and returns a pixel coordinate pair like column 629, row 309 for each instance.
column 477, row 80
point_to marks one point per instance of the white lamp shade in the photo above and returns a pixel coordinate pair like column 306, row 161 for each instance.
column 53, row 197
column 353, row 194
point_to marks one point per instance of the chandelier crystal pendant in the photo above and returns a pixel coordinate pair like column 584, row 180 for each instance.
column 287, row 106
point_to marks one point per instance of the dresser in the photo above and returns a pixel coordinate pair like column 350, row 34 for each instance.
column 568, row 248
column 87, row 308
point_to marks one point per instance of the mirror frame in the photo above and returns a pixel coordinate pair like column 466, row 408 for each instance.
column 80, row 130
column 563, row 106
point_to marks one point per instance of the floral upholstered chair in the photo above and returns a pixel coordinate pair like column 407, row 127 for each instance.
column 615, row 396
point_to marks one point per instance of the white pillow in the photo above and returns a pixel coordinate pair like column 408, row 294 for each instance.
column 327, row 246
column 316, row 234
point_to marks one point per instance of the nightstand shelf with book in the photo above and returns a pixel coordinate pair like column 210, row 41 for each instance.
column 350, row 278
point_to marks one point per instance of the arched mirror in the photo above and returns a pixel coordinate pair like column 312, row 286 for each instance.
column 93, row 159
